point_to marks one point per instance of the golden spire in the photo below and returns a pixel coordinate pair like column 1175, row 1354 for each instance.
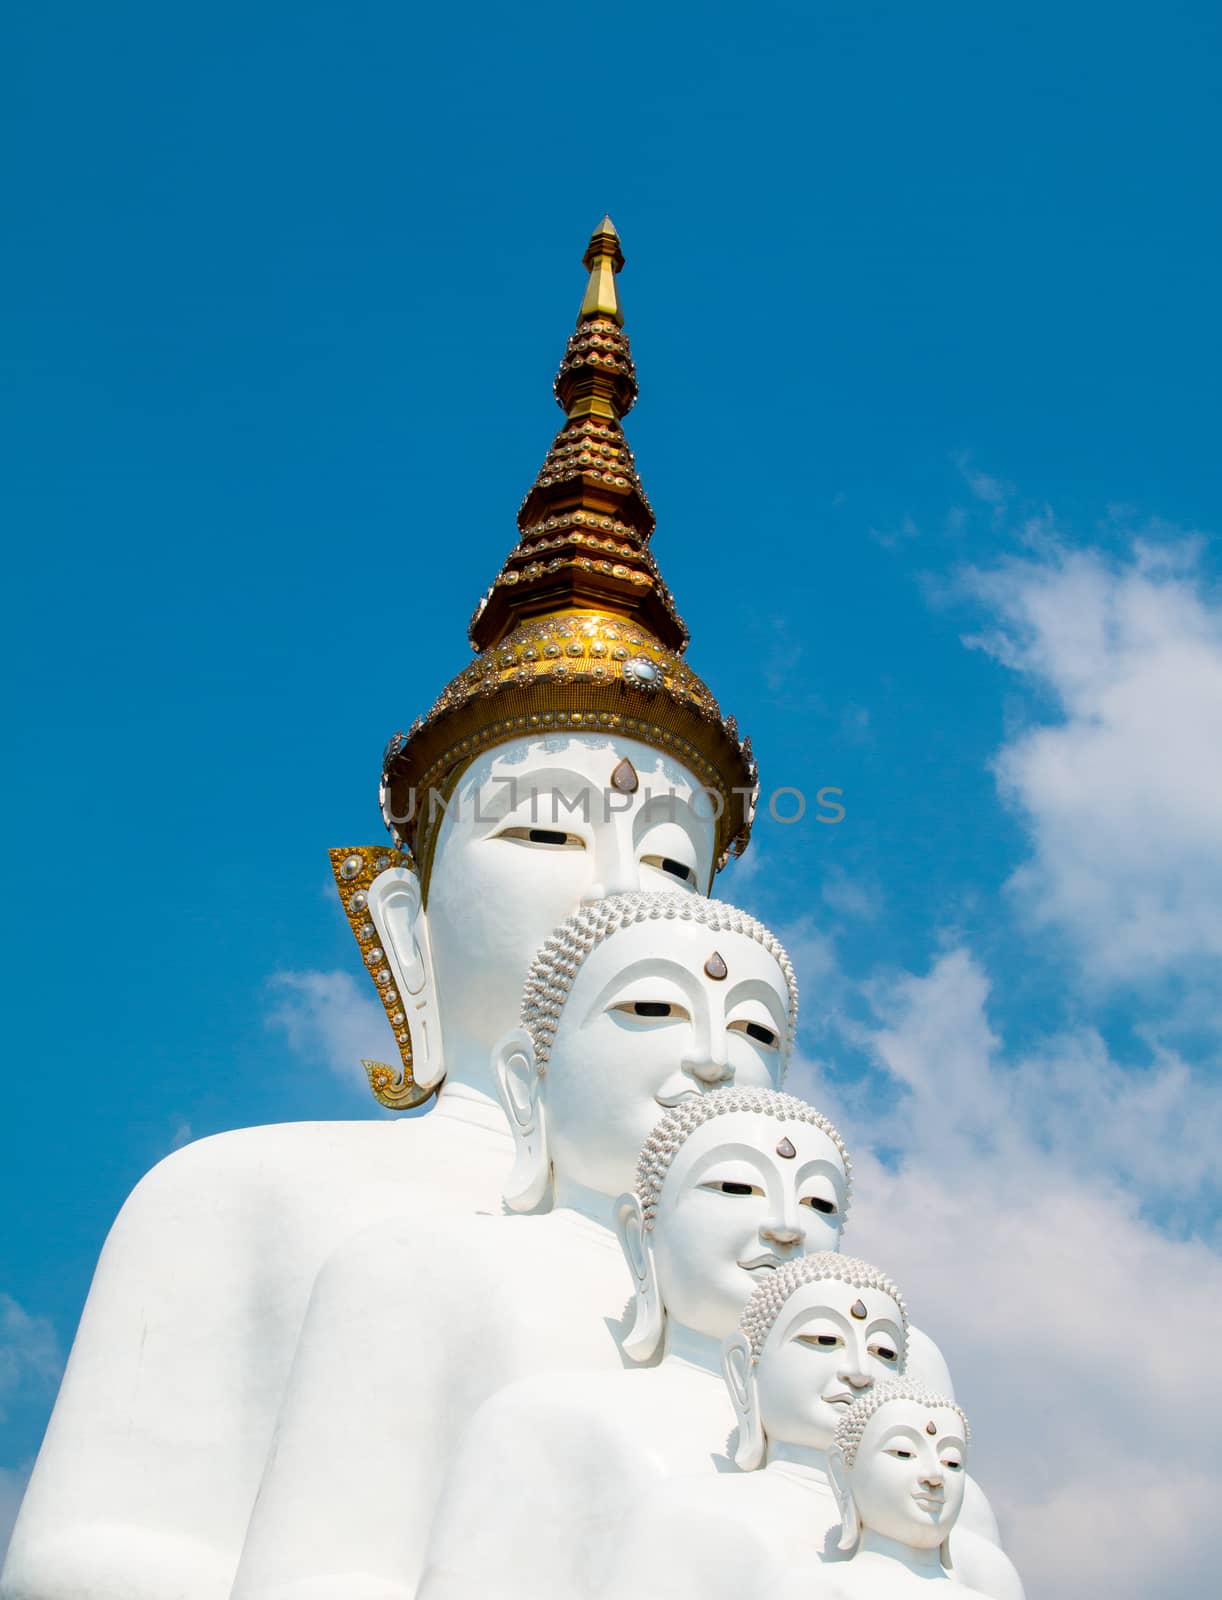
column 603, row 259
column 579, row 633
column 587, row 502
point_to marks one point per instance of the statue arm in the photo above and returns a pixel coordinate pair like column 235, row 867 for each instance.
column 677, row 1545
column 538, row 1466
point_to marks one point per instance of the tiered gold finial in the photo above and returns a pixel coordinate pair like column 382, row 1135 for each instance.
column 579, row 633
column 587, row 502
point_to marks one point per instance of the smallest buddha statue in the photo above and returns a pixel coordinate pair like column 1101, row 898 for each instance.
column 897, row 1466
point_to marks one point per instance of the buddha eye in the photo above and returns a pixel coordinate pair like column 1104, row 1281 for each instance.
column 757, row 1031
column 902, row 1454
column 728, row 1186
column 952, row 1463
column 552, row 838
column 821, row 1341
column 676, row 869
column 816, row 1202
column 652, row 1009
column 884, row 1352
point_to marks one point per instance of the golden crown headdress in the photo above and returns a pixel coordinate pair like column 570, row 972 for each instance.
column 579, row 632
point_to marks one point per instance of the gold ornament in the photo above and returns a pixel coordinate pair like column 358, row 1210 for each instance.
column 355, row 870
column 579, row 633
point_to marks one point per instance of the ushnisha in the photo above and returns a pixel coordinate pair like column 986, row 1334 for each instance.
column 898, row 1466
column 728, row 1189
column 635, row 1005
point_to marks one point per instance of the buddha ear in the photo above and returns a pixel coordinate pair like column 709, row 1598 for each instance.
column 738, row 1369
column 838, row 1477
column 396, row 908
column 515, row 1070
column 644, row 1337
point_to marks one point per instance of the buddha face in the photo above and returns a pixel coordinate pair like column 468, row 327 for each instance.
column 536, row 828
column 734, row 1205
column 820, row 1355
column 907, row 1483
column 647, row 1024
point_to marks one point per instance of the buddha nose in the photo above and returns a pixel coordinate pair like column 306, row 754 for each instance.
column 708, row 1071
column 784, row 1228
column 852, row 1374
column 932, row 1479
column 781, row 1233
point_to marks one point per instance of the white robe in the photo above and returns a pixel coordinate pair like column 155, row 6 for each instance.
column 146, row 1478
column 411, row 1327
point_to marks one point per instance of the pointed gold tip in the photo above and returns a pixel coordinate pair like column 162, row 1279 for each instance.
column 603, row 259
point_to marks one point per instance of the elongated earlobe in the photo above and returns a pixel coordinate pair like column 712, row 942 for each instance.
column 397, row 912
column 838, row 1476
column 644, row 1337
column 517, row 1077
column 738, row 1369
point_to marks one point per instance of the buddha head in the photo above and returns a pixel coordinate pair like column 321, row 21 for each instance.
column 729, row 1188
column 814, row 1336
column 578, row 755
column 898, row 1468
column 636, row 1004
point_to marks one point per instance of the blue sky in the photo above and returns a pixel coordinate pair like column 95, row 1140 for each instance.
column 924, row 304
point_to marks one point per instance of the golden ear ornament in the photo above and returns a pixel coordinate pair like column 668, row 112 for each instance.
column 355, row 870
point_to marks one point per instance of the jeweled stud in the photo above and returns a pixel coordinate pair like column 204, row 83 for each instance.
column 786, row 1149
column 715, row 967
column 931, row 1427
column 625, row 778
column 858, row 1310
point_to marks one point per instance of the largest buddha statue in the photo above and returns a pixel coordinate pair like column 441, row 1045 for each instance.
column 576, row 757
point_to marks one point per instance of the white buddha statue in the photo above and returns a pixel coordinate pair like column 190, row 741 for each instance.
column 815, row 1337
column 897, row 1466
column 577, row 756
column 728, row 1188
column 637, row 1002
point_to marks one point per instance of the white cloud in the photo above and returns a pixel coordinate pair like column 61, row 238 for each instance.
column 904, row 532
column 989, row 490
column 31, row 1362
column 30, row 1356
column 327, row 1018
column 12, row 1487
column 1118, row 790
column 1080, row 1333
column 851, row 897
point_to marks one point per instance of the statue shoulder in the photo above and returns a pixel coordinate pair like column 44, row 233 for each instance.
column 981, row 1564
column 247, row 1159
